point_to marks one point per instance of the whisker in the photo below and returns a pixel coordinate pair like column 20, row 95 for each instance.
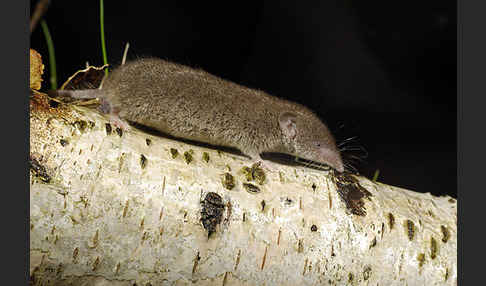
column 312, row 164
column 347, row 141
column 350, row 168
column 354, row 157
column 353, row 148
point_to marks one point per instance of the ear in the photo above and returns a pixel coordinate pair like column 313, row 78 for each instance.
column 288, row 124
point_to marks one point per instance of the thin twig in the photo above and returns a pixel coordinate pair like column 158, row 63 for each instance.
column 125, row 53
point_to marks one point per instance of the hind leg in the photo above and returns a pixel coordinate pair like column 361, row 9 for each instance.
column 265, row 164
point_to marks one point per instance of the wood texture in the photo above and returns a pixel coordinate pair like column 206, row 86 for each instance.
column 112, row 208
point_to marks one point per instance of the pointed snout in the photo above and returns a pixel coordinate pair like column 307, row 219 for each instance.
column 333, row 159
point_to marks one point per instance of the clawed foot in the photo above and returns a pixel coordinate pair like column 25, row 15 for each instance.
column 267, row 165
column 118, row 122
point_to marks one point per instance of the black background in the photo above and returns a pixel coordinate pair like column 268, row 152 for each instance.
column 385, row 71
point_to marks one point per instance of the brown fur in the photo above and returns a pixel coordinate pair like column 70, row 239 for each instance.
column 196, row 105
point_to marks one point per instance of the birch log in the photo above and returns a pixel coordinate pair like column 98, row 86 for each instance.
column 112, row 208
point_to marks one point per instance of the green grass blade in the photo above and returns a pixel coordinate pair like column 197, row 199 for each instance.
column 375, row 176
column 52, row 55
column 102, row 24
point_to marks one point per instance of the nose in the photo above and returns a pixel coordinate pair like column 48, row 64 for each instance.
column 333, row 159
column 338, row 165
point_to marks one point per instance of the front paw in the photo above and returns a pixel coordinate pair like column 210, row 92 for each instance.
column 120, row 123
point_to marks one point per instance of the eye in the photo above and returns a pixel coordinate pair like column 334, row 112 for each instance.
column 318, row 144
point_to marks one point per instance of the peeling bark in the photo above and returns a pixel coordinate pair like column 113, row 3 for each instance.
column 119, row 208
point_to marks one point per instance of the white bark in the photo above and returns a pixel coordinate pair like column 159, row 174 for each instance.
column 102, row 219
